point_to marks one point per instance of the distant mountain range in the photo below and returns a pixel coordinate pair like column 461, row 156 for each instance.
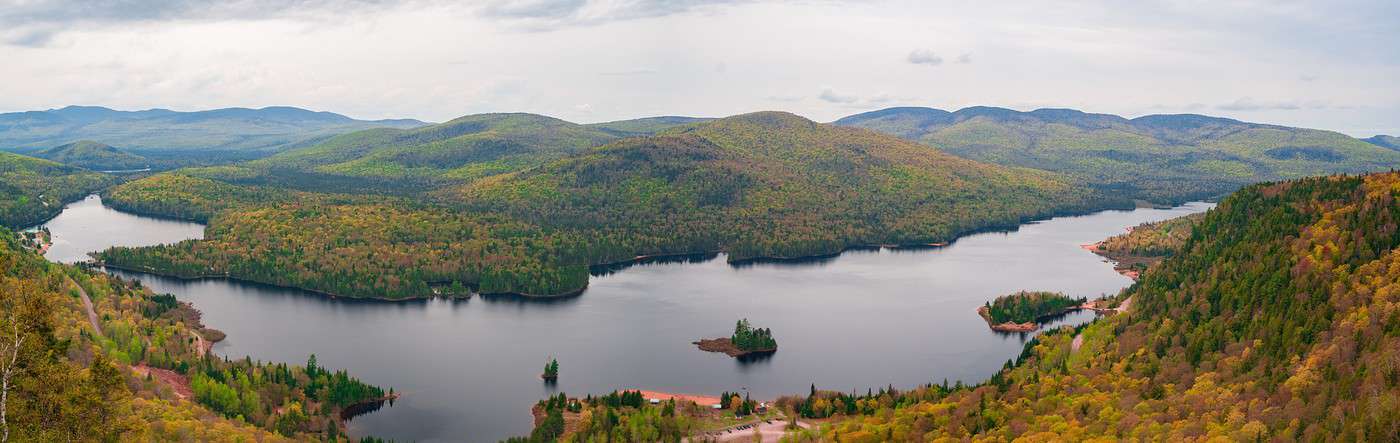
column 234, row 129
column 389, row 160
column 1155, row 157
column 1385, row 141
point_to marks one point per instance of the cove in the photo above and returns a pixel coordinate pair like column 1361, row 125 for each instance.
column 468, row 370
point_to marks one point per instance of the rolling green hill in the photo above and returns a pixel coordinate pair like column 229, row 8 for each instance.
column 94, row 156
column 1163, row 158
column 757, row 185
column 388, row 160
column 228, row 129
column 645, row 126
column 33, row 190
column 796, row 188
column 1276, row 320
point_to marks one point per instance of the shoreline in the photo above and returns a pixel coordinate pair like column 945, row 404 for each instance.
column 724, row 346
column 622, row 264
column 272, row 285
column 1033, row 325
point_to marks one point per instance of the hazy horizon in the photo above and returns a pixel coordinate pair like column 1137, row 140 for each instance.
column 1324, row 65
column 1087, row 111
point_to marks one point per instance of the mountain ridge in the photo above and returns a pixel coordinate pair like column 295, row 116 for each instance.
column 266, row 128
column 1165, row 158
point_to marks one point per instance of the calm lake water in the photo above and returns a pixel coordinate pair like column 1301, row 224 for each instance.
column 469, row 369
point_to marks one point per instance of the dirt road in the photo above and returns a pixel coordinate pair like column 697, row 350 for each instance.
column 87, row 306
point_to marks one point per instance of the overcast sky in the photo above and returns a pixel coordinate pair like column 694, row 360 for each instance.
column 1332, row 65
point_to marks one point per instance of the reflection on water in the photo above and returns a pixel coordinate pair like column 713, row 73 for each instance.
column 469, row 369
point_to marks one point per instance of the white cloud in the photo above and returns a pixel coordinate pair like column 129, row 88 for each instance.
column 1251, row 104
column 830, row 96
column 924, row 57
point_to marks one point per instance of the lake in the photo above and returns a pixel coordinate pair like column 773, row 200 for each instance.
column 469, row 369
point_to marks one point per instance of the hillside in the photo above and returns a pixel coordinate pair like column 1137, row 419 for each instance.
column 645, row 126
column 796, row 187
column 408, row 161
column 33, row 190
column 131, row 368
column 94, row 156
column 757, row 185
column 1162, row 158
column 235, row 129
column 1384, row 141
column 1276, row 321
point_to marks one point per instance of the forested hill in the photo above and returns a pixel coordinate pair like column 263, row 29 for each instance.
column 262, row 129
column 405, row 161
column 33, row 190
column 1278, row 320
column 95, row 156
column 792, row 187
column 646, row 125
column 133, row 369
column 757, row 185
column 1163, row 158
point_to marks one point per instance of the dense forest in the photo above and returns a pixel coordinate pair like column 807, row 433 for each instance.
column 142, row 374
column 749, row 339
column 1160, row 158
column 33, row 190
column 1152, row 239
column 795, row 187
column 1028, row 306
column 1276, row 321
column 1146, row 244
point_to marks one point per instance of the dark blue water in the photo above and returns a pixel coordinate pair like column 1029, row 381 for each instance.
column 469, row 369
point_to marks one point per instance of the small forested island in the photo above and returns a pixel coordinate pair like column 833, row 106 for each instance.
column 1018, row 312
column 551, row 370
column 746, row 340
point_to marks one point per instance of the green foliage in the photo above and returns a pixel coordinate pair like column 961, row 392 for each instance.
column 1162, row 158
column 33, row 190
column 645, row 126
column 747, row 338
column 758, row 185
column 1278, row 310
column 551, row 369
column 69, row 384
column 1028, row 306
column 769, row 185
column 1152, row 239
column 624, row 416
column 391, row 161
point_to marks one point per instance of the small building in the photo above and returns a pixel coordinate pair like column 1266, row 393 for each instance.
column 655, row 401
column 762, row 408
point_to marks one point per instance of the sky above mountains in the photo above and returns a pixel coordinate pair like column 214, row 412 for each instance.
column 1328, row 65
